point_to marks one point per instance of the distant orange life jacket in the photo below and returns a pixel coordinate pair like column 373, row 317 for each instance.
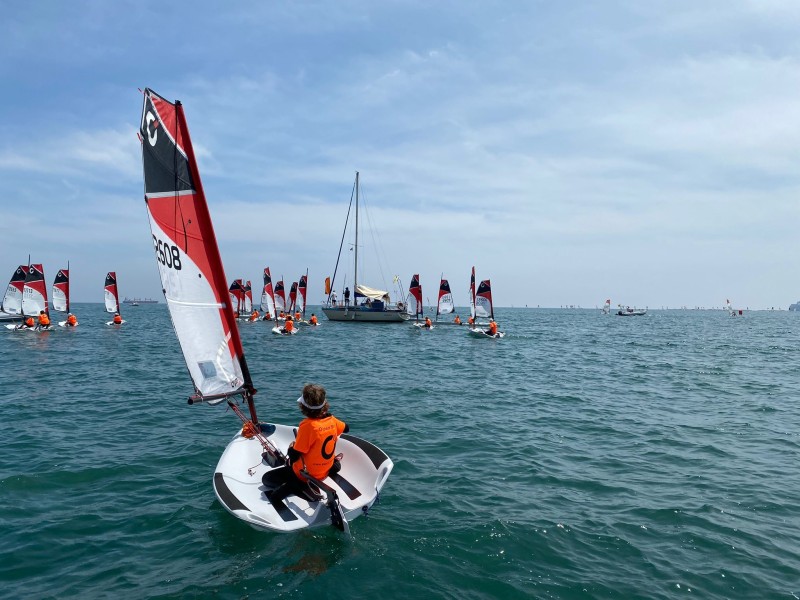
column 457, row 321
column 72, row 320
column 427, row 321
column 254, row 316
column 117, row 319
column 492, row 328
column 297, row 316
column 282, row 315
column 313, row 320
column 29, row 322
column 44, row 320
column 471, row 321
column 288, row 326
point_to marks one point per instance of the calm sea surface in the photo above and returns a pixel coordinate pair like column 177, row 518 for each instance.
column 583, row 456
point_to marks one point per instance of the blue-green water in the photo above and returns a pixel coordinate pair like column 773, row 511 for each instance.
column 583, row 456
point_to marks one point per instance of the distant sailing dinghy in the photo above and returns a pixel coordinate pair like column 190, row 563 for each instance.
column 111, row 297
column 11, row 306
column 61, row 295
column 34, row 299
column 481, row 306
column 34, row 295
column 414, row 306
column 444, row 305
column 196, row 292
column 268, row 297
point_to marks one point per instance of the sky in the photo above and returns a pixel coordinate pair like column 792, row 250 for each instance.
column 645, row 152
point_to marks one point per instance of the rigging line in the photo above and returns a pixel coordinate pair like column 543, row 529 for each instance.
column 265, row 443
column 376, row 244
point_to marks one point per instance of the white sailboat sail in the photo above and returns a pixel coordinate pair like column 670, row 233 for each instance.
column 61, row 291
column 248, row 298
column 445, row 304
column 280, row 297
column 110, row 294
column 472, row 295
column 483, row 300
column 12, row 300
column 414, row 298
column 34, row 293
column 189, row 263
column 302, row 289
column 267, row 295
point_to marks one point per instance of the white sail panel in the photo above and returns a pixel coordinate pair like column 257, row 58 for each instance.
column 196, row 317
column 112, row 305
column 59, row 299
column 34, row 293
column 446, row 305
column 33, row 302
column 412, row 306
column 267, row 303
column 12, row 300
column 483, row 308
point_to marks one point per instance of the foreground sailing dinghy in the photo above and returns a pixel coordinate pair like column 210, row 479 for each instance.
column 196, row 292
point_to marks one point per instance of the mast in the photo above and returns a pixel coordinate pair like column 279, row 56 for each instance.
column 439, row 298
column 355, row 270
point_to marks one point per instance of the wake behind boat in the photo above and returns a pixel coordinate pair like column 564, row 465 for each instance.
column 196, row 292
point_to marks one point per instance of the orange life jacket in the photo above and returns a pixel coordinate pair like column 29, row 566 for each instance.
column 282, row 315
column 254, row 316
column 471, row 321
column 313, row 320
column 297, row 316
column 44, row 320
column 288, row 326
column 117, row 319
column 72, row 320
column 316, row 441
column 29, row 322
column 492, row 328
column 457, row 321
column 427, row 321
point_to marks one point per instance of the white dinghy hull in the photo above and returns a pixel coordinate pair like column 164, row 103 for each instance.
column 239, row 488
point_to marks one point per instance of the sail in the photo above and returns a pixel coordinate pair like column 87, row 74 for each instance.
column 280, row 297
column 111, row 294
column 248, row 297
column 61, row 291
column 472, row 294
column 267, row 295
column 12, row 301
column 414, row 299
column 302, row 288
column 34, row 292
column 293, row 297
column 363, row 291
column 445, row 305
column 236, row 293
column 483, row 300
column 188, row 258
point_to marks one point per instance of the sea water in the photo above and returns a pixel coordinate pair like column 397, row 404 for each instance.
column 582, row 456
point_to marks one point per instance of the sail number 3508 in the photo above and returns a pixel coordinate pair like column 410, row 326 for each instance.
column 167, row 255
